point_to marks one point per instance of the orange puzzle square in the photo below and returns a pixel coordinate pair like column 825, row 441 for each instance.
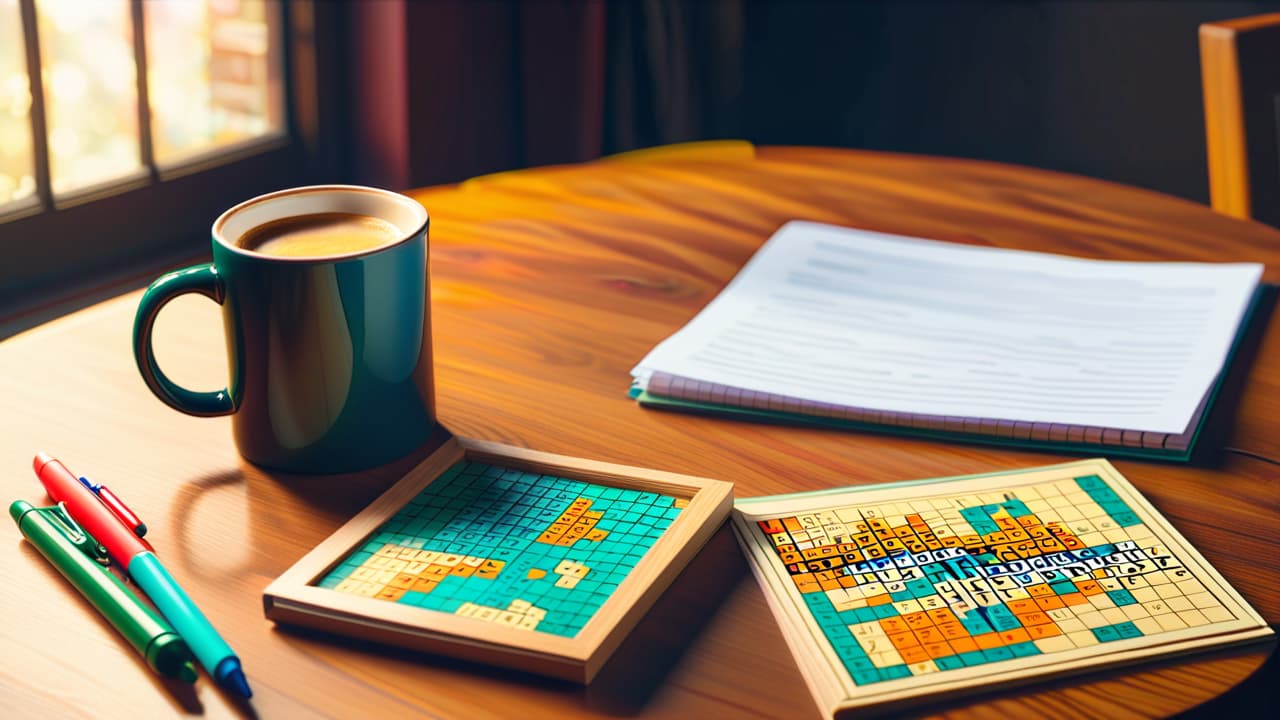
column 1033, row 618
column 1023, row 606
column 903, row 640
column 917, row 620
column 893, row 625
column 913, row 654
column 1010, row 637
column 1038, row 632
column 987, row 641
column 929, row 635
column 1052, row 602
column 938, row 649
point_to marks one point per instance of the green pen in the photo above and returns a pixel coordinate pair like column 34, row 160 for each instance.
column 76, row 555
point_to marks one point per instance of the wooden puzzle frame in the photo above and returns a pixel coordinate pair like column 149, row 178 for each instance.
column 294, row 597
column 829, row 678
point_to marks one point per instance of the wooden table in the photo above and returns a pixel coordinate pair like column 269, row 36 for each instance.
column 547, row 286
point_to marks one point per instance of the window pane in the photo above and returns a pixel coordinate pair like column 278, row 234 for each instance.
column 17, row 174
column 213, row 73
column 89, row 80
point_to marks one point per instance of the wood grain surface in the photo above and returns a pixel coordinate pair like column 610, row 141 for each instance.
column 548, row 285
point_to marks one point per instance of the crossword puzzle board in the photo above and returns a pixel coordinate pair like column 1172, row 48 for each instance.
column 517, row 548
column 507, row 556
column 939, row 582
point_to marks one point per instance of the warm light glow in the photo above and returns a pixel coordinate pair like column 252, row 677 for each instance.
column 67, row 83
column 211, row 73
column 16, row 164
column 89, row 80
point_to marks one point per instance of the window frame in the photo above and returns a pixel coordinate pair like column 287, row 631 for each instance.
column 162, row 214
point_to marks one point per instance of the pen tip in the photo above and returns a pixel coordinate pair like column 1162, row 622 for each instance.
column 188, row 672
column 235, row 682
column 42, row 459
column 140, row 530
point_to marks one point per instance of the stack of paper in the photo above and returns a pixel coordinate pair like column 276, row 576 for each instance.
column 862, row 329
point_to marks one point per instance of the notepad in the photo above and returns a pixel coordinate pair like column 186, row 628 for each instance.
column 891, row 595
column 860, row 329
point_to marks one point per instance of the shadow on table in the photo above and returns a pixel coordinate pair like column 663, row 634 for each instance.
column 654, row 648
column 1219, row 426
column 298, row 509
column 1126, row 691
column 343, row 495
column 1257, row 696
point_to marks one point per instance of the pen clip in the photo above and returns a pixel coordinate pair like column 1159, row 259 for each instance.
column 76, row 535
column 116, row 507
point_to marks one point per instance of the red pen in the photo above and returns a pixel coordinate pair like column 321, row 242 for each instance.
column 116, row 506
column 88, row 510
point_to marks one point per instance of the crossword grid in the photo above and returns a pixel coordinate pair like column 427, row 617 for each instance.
column 948, row 582
column 519, row 549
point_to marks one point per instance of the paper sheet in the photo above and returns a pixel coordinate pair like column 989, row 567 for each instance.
column 878, row 321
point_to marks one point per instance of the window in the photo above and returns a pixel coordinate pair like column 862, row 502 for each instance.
column 127, row 126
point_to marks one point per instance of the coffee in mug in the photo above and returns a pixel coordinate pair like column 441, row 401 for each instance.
column 319, row 235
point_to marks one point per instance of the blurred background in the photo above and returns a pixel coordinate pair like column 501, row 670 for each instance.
column 126, row 126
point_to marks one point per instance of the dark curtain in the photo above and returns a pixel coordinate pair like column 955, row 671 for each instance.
column 674, row 72
column 449, row 89
column 604, row 76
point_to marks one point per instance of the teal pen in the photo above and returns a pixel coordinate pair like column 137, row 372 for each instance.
column 212, row 651
column 145, row 569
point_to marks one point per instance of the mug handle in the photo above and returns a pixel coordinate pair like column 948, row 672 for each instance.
column 201, row 279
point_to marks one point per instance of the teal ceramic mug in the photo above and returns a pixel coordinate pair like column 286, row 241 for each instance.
column 330, row 356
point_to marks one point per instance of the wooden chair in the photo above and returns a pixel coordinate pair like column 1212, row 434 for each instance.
column 1240, row 70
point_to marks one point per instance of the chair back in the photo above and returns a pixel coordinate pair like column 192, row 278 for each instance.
column 1240, row 71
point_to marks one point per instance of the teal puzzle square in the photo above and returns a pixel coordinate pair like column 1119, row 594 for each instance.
column 974, row 624
column 949, row 662
column 997, row 654
column 1127, row 630
column 1024, row 649
column 894, row 672
column 1121, row 597
column 1090, row 482
column 857, row 660
column 865, row 614
column 1107, row 633
column 865, row 677
column 1126, row 518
